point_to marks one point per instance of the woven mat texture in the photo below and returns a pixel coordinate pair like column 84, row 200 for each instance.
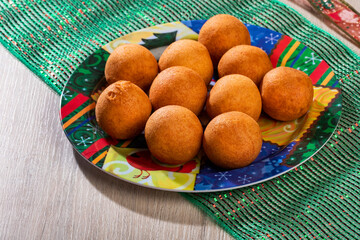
column 319, row 200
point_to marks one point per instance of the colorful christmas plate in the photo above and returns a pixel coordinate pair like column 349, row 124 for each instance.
column 285, row 144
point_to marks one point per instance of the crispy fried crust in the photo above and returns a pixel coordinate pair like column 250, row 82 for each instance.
column 188, row 53
column 245, row 60
column 133, row 63
column 287, row 93
column 234, row 93
column 232, row 140
column 173, row 134
column 178, row 86
column 222, row 32
column 122, row 110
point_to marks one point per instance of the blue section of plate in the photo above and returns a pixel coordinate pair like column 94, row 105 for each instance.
column 266, row 165
column 194, row 25
column 263, row 38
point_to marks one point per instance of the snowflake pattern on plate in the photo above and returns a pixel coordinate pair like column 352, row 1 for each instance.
column 267, row 164
column 67, row 94
column 313, row 59
column 305, row 70
column 244, row 179
column 263, row 38
column 83, row 141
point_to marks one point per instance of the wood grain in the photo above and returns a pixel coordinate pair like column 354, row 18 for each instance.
column 49, row 192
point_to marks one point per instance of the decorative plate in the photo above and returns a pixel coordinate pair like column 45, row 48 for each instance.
column 286, row 145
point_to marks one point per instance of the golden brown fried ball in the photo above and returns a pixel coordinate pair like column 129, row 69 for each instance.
column 222, row 32
column 234, row 93
column 178, row 86
column 122, row 110
column 133, row 63
column 287, row 93
column 245, row 60
column 173, row 134
column 188, row 53
column 232, row 140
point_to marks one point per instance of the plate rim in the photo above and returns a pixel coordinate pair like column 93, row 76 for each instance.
column 193, row 190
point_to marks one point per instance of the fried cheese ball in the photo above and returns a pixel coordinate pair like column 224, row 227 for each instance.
column 122, row 110
column 178, row 86
column 234, row 93
column 232, row 140
column 250, row 61
column 222, row 32
column 131, row 62
column 188, row 53
column 173, row 134
column 287, row 93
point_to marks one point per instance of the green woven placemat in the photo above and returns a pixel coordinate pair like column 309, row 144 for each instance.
column 318, row 200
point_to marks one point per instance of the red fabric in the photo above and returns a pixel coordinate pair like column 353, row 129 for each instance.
column 342, row 15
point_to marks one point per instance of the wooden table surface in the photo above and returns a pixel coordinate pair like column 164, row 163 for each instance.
column 47, row 191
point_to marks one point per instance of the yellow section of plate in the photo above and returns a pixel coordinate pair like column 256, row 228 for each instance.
column 136, row 165
column 183, row 32
column 282, row 133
